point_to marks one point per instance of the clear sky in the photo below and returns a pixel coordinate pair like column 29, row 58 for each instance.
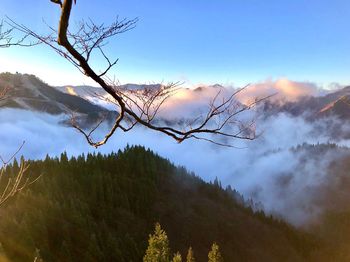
column 227, row 41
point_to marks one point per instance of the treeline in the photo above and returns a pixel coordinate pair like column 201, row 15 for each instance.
column 103, row 207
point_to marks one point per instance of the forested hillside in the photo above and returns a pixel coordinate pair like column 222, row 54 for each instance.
column 102, row 208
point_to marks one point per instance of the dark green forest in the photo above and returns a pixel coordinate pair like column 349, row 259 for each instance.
column 103, row 208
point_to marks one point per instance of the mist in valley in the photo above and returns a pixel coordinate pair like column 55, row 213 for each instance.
column 288, row 179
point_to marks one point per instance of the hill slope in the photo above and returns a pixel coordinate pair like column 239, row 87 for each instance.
column 102, row 208
column 332, row 104
column 30, row 93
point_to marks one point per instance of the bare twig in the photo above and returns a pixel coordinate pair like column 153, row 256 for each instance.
column 7, row 39
column 15, row 183
column 5, row 162
column 139, row 107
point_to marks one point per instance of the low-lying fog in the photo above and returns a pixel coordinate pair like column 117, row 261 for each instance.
column 289, row 183
column 265, row 169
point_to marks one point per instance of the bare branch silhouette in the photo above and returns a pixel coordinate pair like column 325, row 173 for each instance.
column 14, row 183
column 7, row 39
column 138, row 107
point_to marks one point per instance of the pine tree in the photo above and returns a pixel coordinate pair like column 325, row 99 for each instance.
column 190, row 255
column 177, row 257
column 158, row 246
column 214, row 254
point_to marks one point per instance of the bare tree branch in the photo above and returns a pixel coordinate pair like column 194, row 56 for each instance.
column 7, row 39
column 17, row 182
column 14, row 183
column 139, row 107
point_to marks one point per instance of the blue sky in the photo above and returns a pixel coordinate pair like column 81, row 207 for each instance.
column 228, row 42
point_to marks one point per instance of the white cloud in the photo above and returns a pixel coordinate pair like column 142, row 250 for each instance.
column 257, row 171
column 284, row 90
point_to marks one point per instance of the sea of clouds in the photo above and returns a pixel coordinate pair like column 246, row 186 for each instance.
column 264, row 169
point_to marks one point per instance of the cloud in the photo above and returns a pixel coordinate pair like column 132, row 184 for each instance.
column 265, row 170
column 196, row 100
column 284, row 90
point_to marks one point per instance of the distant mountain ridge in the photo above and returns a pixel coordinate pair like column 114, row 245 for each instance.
column 30, row 93
column 332, row 104
column 84, row 91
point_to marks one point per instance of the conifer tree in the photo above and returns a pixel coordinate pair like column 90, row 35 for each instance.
column 190, row 255
column 177, row 257
column 214, row 254
column 158, row 246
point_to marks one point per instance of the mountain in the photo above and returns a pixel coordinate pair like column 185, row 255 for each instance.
column 97, row 96
column 102, row 208
column 81, row 91
column 313, row 107
column 89, row 92
column 176, row 108
column 340, row 107
column 30, row 93
column 89, row 103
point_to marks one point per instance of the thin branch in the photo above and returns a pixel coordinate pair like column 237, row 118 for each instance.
column 5, row 162
column 139, row 107
column 16, row 183
column 7, row 39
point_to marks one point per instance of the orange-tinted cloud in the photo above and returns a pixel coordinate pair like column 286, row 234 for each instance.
column 284, row 90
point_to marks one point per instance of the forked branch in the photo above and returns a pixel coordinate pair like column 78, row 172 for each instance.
column 139, row 107
column 7, row 39
column 13, row 184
